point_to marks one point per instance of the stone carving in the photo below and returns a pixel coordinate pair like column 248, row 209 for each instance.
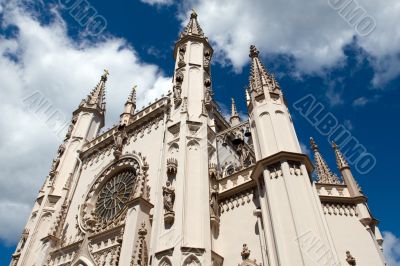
column 237, row 200
column 56, row 161
column 120, row 139
column 245, row 252
column 295, row 168
column 245, row 257
column 275, row 171
column 212, row 171
column 178, row 87
column 20, row 246
column 208, row 94
column 172, row 166
column 54, row 166
column 207, row 58
column 350, row 259
column 168, row 200
column 140, row 255
column 339, row 209
column 184, row 105
column 244, row 155
column 214, row 207
column 71, row 127
column 182, row 51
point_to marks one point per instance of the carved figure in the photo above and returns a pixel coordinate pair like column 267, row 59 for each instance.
column 182, row 51
column 350, row 259
column 169, row 197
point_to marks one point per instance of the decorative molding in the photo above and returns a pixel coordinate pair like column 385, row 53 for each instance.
column 275, row 171
column 172, row 166
column 89, row 219
column 237, row 200
column 339, row 209
column 140, row 255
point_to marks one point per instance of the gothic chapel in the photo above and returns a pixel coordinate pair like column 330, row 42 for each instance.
column 208, row 192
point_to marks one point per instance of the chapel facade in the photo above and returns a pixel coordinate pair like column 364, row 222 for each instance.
column 176, row 183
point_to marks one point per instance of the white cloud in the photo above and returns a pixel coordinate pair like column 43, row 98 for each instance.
column 63, row 71
column 361, row 101
column 391, row 249
column 157, row 2
column 310, row 31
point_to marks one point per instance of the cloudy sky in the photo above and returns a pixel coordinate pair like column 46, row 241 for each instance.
column 349, row 67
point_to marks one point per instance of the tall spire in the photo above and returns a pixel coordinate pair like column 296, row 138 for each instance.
column 130, row 106
column 323, row 172
column 235, row 119
column 259, row 76
column 344, row 168
column 340, row 160
column 132, row 97
column 193, row 27
column 96, row 98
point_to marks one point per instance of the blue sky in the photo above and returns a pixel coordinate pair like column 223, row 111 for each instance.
column 310, row 48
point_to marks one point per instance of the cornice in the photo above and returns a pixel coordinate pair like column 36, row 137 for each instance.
column 281, row 156
column 343, row 200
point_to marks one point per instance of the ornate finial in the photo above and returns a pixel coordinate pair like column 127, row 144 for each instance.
column 324, row 174
column 234, row 112
column 253, row 51
column 132, row 95
column 105, row 75
column 314, row 146
column 193, row 27
column 260, row 79
column 340, row 159
column 96, row 98
column 194, row 14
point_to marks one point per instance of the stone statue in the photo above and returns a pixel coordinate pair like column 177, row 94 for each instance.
column 214, row 200
column 182, row 51
column 350, row 259
column 169, row 197
column 245, row 252
column 119, row 141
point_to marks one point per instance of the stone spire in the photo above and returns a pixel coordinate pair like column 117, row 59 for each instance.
column 340, row 160
column 132, row 97
column 235, row 119
column 324, row 174
column 96, row 98
column 344, row 168
column 193, row 27
column 259, row 76
column 130, row 107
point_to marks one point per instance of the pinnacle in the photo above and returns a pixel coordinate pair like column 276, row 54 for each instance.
column 324, row 174
column 253, row 51
column 193, row 26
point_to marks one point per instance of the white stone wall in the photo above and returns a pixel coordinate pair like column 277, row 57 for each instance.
column 238, row 226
